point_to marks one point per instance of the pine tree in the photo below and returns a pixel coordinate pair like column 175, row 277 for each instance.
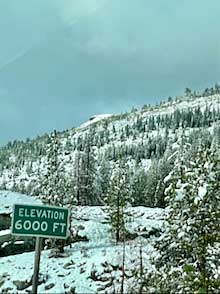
column 51, row 182
column 117, row 199
column 84, row 177
column 188, row 252
column 138, row 183
column 89, row 175
column 103, row 178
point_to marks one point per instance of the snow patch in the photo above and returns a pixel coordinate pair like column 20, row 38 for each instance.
column 94, row 119
column 8, row 199
column 202, row 190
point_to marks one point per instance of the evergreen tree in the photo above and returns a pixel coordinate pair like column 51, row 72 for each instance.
column 188, row 252
column 117, row 199
column 103, row 178
column 51, row 184
column 54, row 183
column 84, row 177
column 138, row 185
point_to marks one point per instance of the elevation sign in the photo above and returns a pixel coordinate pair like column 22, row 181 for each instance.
column 41, row 221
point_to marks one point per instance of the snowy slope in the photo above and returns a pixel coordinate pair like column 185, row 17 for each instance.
column 108, row 136
column 91, row 266
column 8, row 199
column 119, row 122
column 94, row 119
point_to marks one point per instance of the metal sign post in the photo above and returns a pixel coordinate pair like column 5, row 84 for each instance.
column 36, row 264
column 39, row 221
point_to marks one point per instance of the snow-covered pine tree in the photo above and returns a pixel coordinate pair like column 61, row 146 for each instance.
column 56, row 188
column 89, row 175
column 138, row 183
column 117, row 199
column 188, row 252
column 102, row 178
column 84, row 176
column 50, row 182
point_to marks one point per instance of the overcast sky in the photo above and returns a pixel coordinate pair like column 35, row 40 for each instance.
column 64, row 61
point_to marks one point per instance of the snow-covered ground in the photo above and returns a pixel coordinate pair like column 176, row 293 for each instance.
column 92, row 266
column 8, row 199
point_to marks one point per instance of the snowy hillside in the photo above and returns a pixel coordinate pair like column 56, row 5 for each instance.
column 91, row 266
column 94, row 119
column 143, row 188
column 87, row 156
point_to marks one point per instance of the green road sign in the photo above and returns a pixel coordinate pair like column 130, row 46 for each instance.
column 41, row 221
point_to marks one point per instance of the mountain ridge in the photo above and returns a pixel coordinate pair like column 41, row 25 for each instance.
column 88, row 155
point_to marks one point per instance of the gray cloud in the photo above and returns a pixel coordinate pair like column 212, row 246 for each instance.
column 62, row 61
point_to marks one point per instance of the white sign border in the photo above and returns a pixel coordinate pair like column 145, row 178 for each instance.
column 42, row 236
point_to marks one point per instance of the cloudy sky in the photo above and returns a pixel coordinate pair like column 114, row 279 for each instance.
column 64, row 61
